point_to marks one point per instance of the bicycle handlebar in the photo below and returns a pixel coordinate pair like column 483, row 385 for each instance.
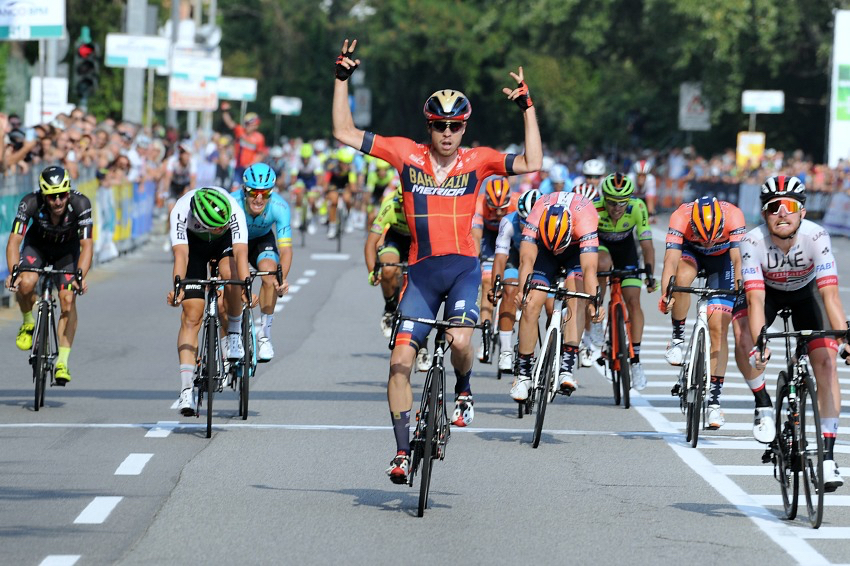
column 218, row 282
column 560, row 294
column 701, row 291
column 802, row 336
column 78, row 274
column 441, row 324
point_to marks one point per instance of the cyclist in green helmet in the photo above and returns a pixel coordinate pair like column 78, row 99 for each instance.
column 207, row 225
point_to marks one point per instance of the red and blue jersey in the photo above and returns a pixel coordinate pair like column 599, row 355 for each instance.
column 439, row 216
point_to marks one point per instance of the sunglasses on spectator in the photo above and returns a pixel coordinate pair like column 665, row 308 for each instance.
column 455, row 127
column 58, row 196
column 265, row 193
column 791, row 206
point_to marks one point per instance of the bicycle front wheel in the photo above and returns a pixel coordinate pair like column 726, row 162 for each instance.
column 212, row 368
column 546, row 377
column 784, row 448
column 696, row 389
column 429, row 451
column 811, row 450
column 610, row 361
column 42, row 354
column 247, row 363
column 623, row 356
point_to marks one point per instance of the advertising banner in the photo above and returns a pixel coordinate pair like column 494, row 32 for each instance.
column 750, row 149
column 839, row 104
column 33, row 19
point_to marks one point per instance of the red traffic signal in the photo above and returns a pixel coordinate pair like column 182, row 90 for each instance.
column 86, row 50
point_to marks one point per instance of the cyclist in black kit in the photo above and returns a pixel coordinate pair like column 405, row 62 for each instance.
column 60, row 235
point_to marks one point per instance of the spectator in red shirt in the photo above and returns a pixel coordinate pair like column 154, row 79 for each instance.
column 249, row 144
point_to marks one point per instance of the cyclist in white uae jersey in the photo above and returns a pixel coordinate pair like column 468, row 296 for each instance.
column 206, row 225
column 788, row 262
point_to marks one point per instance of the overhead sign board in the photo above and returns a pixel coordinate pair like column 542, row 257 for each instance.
column 191, row 65
column 694, row 111
column 32, row 19
column 286, row 105
column 136, row 51
column 236, row 88
column 192, row 93
column 763, row 102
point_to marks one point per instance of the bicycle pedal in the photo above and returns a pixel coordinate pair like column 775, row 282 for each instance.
column 676, row 390
column 767, row 457
column 600, row 361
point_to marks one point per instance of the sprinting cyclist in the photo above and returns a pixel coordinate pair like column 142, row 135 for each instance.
column 620, row 216
column 592, row 172
column 207, row 224
column 440, row 182
column 560, row 233
column 265, row 208
column 506, row 266
column 60, row 235
column 788, row 262
column 704, row 234
column 340, row 177
column 303, row 180
column 494, row 202
column 645, row 188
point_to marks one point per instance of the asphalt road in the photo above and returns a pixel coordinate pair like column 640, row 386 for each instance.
column 109, row 473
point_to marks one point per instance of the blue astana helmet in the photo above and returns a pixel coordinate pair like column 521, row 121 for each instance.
column 259, row 176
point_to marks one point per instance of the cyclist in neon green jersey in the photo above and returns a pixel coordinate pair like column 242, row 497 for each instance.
column 620, row 216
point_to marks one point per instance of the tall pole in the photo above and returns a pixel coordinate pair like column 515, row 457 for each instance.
column 41, row 80
column 149, row 101
column 171, row 114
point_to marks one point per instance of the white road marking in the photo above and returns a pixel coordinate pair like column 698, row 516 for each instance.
column 162, row 429
column 303, row 281
column 763, row 470
column 823, row 532
column 133, row 465
column 310, row 273
column 294, row 289
column 285, row 299
column 60, row 560
column 830, row 500
column 97, row 511
column 330, row 257
column 278, row 308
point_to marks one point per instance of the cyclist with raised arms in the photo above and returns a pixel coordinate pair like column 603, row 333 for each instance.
column 620, row 216
column 506, row 266
column 560, row 233
column 788, row 262
column 207, row 224
column 494, row 202
column 54, row 225
column 440, row 182
column 267, row 249
column 704, row 234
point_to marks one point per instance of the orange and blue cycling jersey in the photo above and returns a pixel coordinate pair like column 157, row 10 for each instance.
column 584, row 220
column 439, row 215
column 680, row 234
column 485, row 217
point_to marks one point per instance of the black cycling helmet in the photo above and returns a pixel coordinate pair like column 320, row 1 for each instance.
column 783, row 186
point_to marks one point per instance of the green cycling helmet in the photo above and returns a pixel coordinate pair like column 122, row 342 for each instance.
column 617, row 187
column 211, row 208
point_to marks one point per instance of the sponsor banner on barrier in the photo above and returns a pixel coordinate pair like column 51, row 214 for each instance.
column 836, row 219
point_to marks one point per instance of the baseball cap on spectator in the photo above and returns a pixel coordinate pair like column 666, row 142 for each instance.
column 186, row 146
column 276, row 152
column 251, row 118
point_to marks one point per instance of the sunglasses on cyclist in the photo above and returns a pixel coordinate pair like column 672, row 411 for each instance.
column 791, row 206
column 616, row 203
column 455, row 127
column 58, row 196
column 265, row 193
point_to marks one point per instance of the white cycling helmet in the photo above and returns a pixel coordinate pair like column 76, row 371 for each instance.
column 559, row 173
column 642, row 167
column 548, row 162
column 595, row 167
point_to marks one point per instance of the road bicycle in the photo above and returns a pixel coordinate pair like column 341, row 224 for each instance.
column 695, row 376
column 798, row 445
column 547, row 366
column 45, row 343
column 210, row 373
column 618, row 352
column 432, row 431
column 243, row 370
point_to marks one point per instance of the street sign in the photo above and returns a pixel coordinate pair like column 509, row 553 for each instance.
column 192, row 93
column 763, row 102
column 694, row 111
column 33, row 19
column 55, row 91
column 286, row 105
column 185, row 65
column 236, row 88
column 32, row 116
column 136, row 51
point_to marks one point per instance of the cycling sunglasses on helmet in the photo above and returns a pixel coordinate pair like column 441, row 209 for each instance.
column 454, row 126
column 791, row 206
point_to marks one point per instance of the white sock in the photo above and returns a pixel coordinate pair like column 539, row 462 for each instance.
column 267, row 320
column 234, row 324
column 187, row 372
column 505, row 340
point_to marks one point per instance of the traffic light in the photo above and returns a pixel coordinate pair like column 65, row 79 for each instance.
column 86, row 66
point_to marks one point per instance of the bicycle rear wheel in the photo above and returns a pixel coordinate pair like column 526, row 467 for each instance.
column 42, row 349
column 811, row 450
column 784, row 447
column 430, row 441
column 545, row 378
column 247, row 363
column 212, row 370
column 696, row 389
column 623, row 357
